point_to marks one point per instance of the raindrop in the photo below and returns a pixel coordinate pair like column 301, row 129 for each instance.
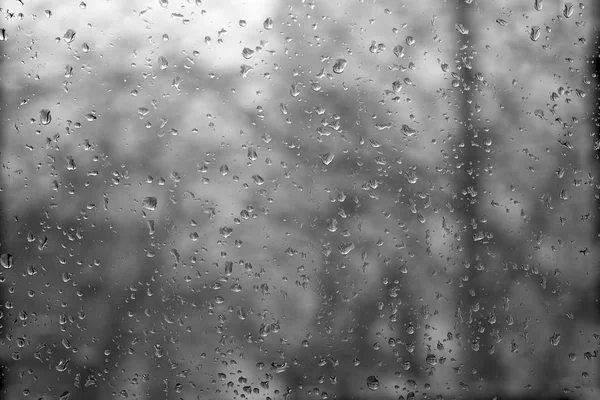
column 398, row 51
column 431, row 359
column 242, row 23
column 346, row 247
column 294, row 90
column 373, row 382
column 150, row 203
column 535, row 33
column 538, row 4
column 247, row 53
column 163, row 3
column 268, row 23
column 245, row 69
column 410, row 41
column 501, row 22
column 69, row 35
column 3, row 35
column 45, row 117
column 407, row 130
column 555, row 339
column 332, row 224
column 339, row 66
column 62, row 365
column 163, row 63
column 327, row 158
column 460, row 28
column 6, row 260
column 568, row 10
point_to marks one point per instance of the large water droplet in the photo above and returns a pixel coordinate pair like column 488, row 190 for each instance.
column 568, row 10
column 535, row 33
column 538, row 5
column 339, row 66
column 69, row 35
column 373, row 382
column 6, row 260
column 268, row 23
column 247, row 53
column 150, row 203
column 45, row 117
column 163, row 63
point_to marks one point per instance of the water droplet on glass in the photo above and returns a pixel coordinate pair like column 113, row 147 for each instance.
column 555, row 339
column 346, row 247
column 62, row 365
column 339, row 66
column 535, row 33
column 6, row 260
column 460, row 28
column 45, row 117
column 3, row 35
column 245, row 69
column 295, row 90
column 150, row 203
column 398, row 51
column 407, row 130
column 268, row 23
column 242, row 23
column 327, row 158
column 373, row 382
column 247, row 53
column 431, row 359
column 163, row 63
column 501, row 22
column 568, row 10
column 410, row 41
column 69, row 35
column 163, row 3
column 224, row 170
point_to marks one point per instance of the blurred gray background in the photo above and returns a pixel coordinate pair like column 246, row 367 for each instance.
column 308, row 199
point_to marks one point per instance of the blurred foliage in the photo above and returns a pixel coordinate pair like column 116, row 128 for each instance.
column 259, row 199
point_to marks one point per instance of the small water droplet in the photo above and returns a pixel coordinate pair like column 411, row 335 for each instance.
column 501, row 22
column 163, row 3
column 538, row 5
column 410, row 41
column 555, row 339
column 339, row 66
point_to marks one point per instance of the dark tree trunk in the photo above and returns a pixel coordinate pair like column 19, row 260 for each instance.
column 471, row 294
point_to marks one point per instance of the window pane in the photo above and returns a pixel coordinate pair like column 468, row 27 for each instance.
column 257, row 199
